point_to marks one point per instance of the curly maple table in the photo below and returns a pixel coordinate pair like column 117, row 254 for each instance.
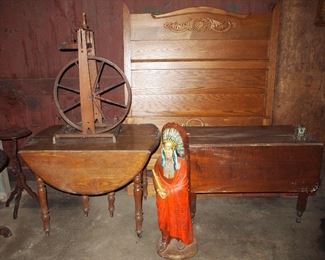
column 92, row 168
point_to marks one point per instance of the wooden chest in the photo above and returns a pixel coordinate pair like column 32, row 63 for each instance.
column 253, row 159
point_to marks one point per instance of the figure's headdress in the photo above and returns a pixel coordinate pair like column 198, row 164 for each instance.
column 173, row 136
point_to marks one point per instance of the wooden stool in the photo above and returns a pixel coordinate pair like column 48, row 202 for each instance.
column 13, row 134
column 4, row 231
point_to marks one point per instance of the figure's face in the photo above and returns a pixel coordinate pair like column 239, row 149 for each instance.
column 168, row 148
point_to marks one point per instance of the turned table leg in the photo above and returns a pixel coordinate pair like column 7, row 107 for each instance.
column 85, row 204
column 43, row 204
column 138, row 203
column 111, row 200
column 301, row 205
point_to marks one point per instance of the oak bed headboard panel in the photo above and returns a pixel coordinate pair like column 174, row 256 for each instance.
column 201, row 63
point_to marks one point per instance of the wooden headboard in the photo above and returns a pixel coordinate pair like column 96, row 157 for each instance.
column 201, row 63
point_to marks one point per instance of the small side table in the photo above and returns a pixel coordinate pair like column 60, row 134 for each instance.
column 4, row 231
column 13, row 134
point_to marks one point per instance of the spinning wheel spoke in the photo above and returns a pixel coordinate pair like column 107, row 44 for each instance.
column 71, row 107
column 109, row 88
column 98, row 75
column 111, row 102
column 68, row 89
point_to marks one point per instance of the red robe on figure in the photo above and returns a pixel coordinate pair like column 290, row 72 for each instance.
column 174, row 216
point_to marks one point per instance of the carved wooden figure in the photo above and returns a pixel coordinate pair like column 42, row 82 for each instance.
column 172, row 186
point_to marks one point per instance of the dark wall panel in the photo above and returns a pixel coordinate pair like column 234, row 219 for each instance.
column 299, row 92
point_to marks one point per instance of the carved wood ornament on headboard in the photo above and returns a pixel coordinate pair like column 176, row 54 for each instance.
column 202, row 63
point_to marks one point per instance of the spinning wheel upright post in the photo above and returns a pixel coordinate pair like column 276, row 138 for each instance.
column 101, row 108
column 87, row 71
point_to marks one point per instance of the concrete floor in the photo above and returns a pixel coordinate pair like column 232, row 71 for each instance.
column 225, row 228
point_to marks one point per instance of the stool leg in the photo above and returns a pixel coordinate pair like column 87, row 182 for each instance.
column 12, row 195
column 16, row 168
column 20, row 182
column 17, row 202
column 26, row 187
column 22, row 177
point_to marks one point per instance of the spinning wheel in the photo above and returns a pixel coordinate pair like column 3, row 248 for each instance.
column 92, row 94
column 110, row 94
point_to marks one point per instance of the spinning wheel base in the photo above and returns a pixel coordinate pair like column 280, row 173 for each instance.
column 68, row 136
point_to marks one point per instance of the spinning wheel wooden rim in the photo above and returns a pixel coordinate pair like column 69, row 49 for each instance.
column 95, row 95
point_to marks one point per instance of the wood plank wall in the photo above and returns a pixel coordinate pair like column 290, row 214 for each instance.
column 30, row 32
column 222, row 78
